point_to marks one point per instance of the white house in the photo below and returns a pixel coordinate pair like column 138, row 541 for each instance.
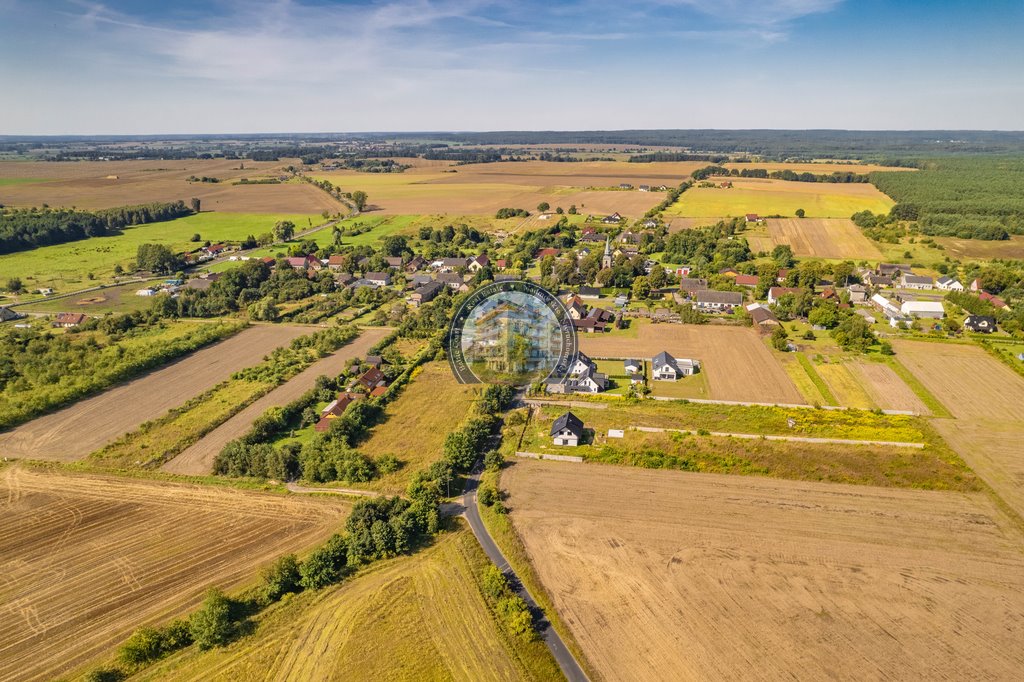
column 948, row 284
column 567, row 430
column 908, row 281
column 632, row 366
column 664, row 367
column 931, row 309
column 588, row 382
column 582, row 364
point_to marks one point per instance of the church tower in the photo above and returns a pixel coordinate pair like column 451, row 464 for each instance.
column 606, row 261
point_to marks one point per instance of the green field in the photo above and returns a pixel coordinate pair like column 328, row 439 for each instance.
column 68, row 266
column 119, row 299
column 766, row 198
column 20, row 181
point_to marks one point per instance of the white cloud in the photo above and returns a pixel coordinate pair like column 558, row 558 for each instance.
column 757, row 12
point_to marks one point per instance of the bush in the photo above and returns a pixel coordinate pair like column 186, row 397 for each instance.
column 211, row 625
column 488, row 495
column 493, row 460
column 281, row 578
column 326, row 565
column 104, row 675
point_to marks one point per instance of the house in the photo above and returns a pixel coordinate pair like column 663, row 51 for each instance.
column 479, row 263
column 644, row 188
column 632, row 366
column 393, row 261
column 947, row 283
column 567, row 430
column 302, row 262
column 6, row 314
column 908, row 281
column 775, row 293
column 892, row 270
column 590, row 292
column 980, row 323
column 932, row 309
column 781, row 275
column 452, row 279
column 692, row 285
column 591, row 236
column 650, row 223
column 544, row 253
column 975, row 285
column 625, row 185
column 753, row 218
column 590, row 381
column 378, row 279
column 343, row 279
column 636, row 378
column 629, row 237
column 747, row 280
column 581, row 364
column 709, row 299
column 729, row 272
column 875, row 280
column 449, row 264
column 885, row 305
column 857, row 292
column 614, row 218
column 371, row 379
column 763, row 317
column 994, row 300
column 501, row 263
column 149, row 292
column 214, row 250
column 627, row 250
column 374, row 361
column 379, row 391
column 597, row 320
column 664, row 367
column 415, row 264
column 335, row 409
column 67, row 320
column 426, row 293
column 419, row 280
column 575, row 307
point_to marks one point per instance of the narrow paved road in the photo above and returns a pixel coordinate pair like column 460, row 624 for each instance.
column 566, row 661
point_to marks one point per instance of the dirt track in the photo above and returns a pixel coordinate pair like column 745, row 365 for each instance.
column 197, row 459
column 79, row 429
column 671, row 575
column 738, row 363
column 84, row 560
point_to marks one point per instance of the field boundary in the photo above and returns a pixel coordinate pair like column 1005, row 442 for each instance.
column 709, row 401
column 792, row 439
column 556, row 458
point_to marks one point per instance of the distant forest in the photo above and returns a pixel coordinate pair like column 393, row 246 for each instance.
column 968, row 197
column 22, row 229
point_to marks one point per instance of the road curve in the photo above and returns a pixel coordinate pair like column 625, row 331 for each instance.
column 566, row 661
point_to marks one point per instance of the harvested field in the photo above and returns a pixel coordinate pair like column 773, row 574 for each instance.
column 982, row 249
column 75, row 431
column 987, row 399
column 484, row 188
column 87, row 559
column 738, row 363
column 818, row 168
column 197, row 459
column 822, row 238
column 90, row 185
column 780, row 197
column 415, row 618
column 702, row 576
column 678, row 224
column 886, row 388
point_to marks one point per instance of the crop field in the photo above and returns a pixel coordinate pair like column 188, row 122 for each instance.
column 87, row 559
column 414, row 618
column 981, row 249
column 779, row 197
column 484, row 188
column 672, row 575
column 987, row 400
column 416, row 412
column 67, row 266
column 821, row 238
column 74, row 431
column 738, row 364
column 845, row 385
column 679, row 223
column 823, row 168
column 886, row 388
column 105, row 184
column 197, row 459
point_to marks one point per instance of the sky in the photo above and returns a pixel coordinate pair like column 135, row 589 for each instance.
column 247, row 66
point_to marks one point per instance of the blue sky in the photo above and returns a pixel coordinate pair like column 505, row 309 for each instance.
column 131, row 67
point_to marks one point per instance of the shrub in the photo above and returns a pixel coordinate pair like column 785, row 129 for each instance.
column 281, row 578
column 211, row 625
column 326, row 565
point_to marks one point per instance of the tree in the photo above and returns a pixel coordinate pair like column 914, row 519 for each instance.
column 780, row 338
column 854, row 333
column 783, row 255
column 284, row 230
column 281, row 578
column 359, row 199
column 800, row 213
column 196, row 237
column 195, row 204
column 641, row 288
column 211, row 625
column 394, row 245
column 156, row 258
column 543, row 207
column 14, row 285
column 824, row 315
column 263, row 309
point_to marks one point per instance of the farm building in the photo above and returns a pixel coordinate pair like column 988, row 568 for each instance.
column 747, row 280
column 858, row 294
column 753, row 218
column 426, row 293
column 763, row 317
column 932, row 309
column 8, row 314
column 980, row 323
column 718, row 300
column 590, row 292
column 994, row 300
column 885, row 305
column 892, row 270
column 692, row 285
column 567, row 430
column 908, row 281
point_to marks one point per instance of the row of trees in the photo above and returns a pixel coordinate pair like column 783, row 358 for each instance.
column 22, row 229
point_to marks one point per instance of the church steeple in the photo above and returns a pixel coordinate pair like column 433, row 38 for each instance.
column 606, row 261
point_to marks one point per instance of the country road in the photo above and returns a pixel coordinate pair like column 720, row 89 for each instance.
column 566, row 661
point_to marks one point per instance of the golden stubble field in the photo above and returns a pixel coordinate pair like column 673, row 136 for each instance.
column 987, row 400
column 670, row 575
column 104, row 184
column 87, row 425
column 737, row 362
column 780, row 197
column 484, row 188
column 85, row 560
column 822, row 238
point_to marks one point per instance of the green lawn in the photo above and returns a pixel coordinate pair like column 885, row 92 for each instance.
column 120, row 299
column 68, row 266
